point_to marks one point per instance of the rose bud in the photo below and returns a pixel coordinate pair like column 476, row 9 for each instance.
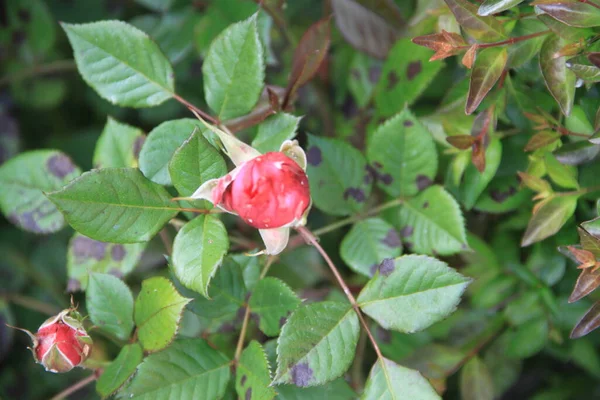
column 269, row 192
column 61, row 343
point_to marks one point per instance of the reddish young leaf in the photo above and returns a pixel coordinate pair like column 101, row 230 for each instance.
column 559, row 80
column 445, row 44
column 487, row 69
column 478, row 156
column 571, row 12
column 308, row 56
column 462, row 142
column 587, row 282
column 469, row 57
column 487, row 29
column 589, row 322
column 364, row 29
column 534, row 183
column 541, row 139
column 594, row 59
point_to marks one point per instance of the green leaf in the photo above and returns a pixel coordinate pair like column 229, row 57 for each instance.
column 487, row 29
column 195, row 162
column 488, row 68
column 119, row 370
column 406, row 73
column 549, row 218
column 338, row 176
column 475, row 182
column 475, row 381
column 490, row 7
column 115, row 205
column 527, row 339
column 317, row 344
column 560, row 81
column 274, row 131
column 156, row 5
column 336, row 390
column 272, row 301
column 363, row 76
column 85, row 255
column 29, row 30
column 575, row 153
column 188, row 369
column 158, row 310
column 110, row 305
column 119, row 146
column 412, row 293
column 432, row 223
column 572, row 12
column 161, row 144
column 121, row 63
column 368, row 243
column 198, row 250
column 390, row 381
column 234, row 70
column 403, row 155
column 252, row 378
column 562, row 175
column 24, row 180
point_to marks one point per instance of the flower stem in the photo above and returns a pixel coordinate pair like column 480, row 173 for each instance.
column 77, row 386
column 310, row 238
column 189, row 105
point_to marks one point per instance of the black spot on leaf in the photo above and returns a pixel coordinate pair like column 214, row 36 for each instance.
column 118, row 252
column 426, row 204
column 282, row 321
column 392, row 239
column 243, row 380
column 406, row 231
column 384, row 335
column 414, row 68
column 227, row 328
column 387, row 266
column 499, row 196
column 373, row 268
column 377, row 164
column 392, row 80
column 24, row 15
column 84, row 248
column 18, row 37
column 371, row 174
column 408, row 245
column 301, row 374
column 137, row 146
column 386, row 179
column 248, row 395
column 408, row 123
column 423, row 182
column 313, row 156
column 356, row 193
column 60, row 165
column 27, row 220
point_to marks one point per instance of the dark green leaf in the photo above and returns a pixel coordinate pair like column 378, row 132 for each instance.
column 121, row 63
column 364, row 74
column 475, row 182
column 317, row 344
column 115, row 205
column 488, row 68
column 528, row 339
column 110, row 305
column 234, row 70
column 252, row 378
column 274, row 131
column 490, row 7
column 119, row 146
column 402, row 155
column 549, row 218
column 188, row 369
column 475, row 381
column 487, row 29
column 432, row 223
column 24, row 180
column 119, row 370
column 560, row 81
column 411, row 293
column 158, row 309
column 272, row 301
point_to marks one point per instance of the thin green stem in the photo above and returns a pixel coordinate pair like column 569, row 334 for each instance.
column 189, row 105
column 77, row 386
column 507, row 41
column 46, row 69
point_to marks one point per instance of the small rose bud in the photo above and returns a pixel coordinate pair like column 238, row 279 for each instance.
column 61, row 343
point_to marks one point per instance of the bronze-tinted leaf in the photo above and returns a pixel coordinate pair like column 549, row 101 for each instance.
column 469, row 57
column 487, row 29
column 445, row 44
column 549, row 218
column 490, row 7
column 534, row 183
column 559, row 80
column 478, row 156
column 541, row 139
column 462, row 142
column 594, row 59
column 589, row 322
column 571, row 12
column 488, row 67
column 308, row 56
column 589, row 242
column 364, row 29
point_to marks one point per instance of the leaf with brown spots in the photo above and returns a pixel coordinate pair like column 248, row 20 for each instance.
column 489, row 66
column 253, row 375
column 119, row 146
column 272, row 300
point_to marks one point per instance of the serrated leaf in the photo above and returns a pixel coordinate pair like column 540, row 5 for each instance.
column 368, row 243
column 195, row 162
column 475, row 182
column 317, row 344
column 234, row 70
column 198, row 250
column 559, row 80
column 571, row 12
column 337, row 173
column 24, row 179
column 188, row 369
column 403, row 155
column 119, row 145
column 432, row 223
column 589, row 322
column 272, row 301
column 158, row 309
column 549, row 218
column 121, row 63
column 488, row 68
column 561, row 174
column 274, row 131
column 411, row 293
column 487, row 29
column 119, row 370
column 490, row 7
column 110, row 305
column 364, row 29
column 115, row 205
column 475, row 381
column 161, row 144
column 85, row 255
column 252, row 378
column 390, row 381
column 406, row 73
